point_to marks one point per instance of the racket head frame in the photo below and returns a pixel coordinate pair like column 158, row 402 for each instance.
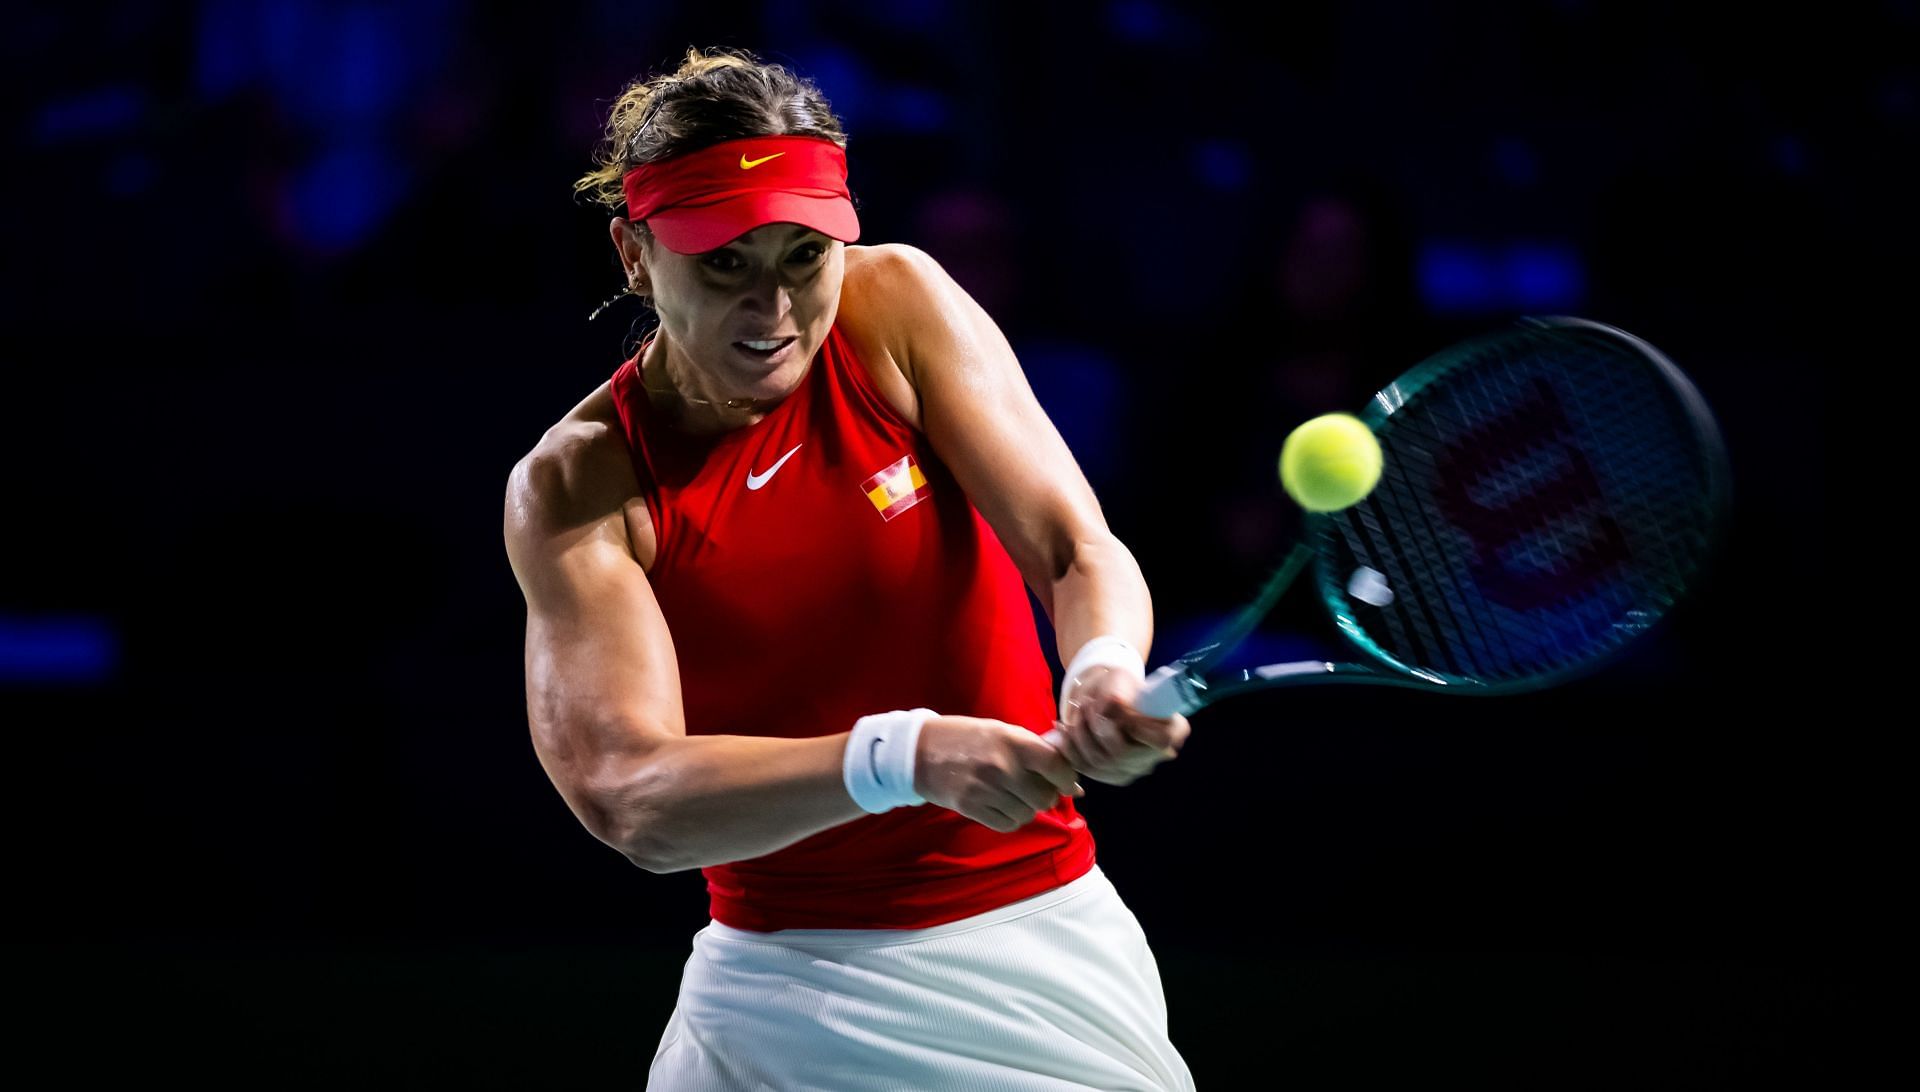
column 1706, row 440
column 1192, row 682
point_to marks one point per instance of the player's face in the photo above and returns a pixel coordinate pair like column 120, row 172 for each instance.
column 778, row 281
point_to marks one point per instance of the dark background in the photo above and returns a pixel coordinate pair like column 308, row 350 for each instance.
column 290, row 287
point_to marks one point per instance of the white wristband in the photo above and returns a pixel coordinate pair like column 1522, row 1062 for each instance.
column 1105, row 650
column 878, row 762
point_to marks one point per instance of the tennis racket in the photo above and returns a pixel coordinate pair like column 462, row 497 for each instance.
column 1548, row 493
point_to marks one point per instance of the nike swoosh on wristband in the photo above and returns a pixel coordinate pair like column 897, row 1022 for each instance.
column 755, row 481
column 873, row 763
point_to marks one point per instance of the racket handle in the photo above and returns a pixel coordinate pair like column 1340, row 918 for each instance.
column 1163, row 694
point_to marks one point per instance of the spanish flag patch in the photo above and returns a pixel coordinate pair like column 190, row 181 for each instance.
column 896, row 488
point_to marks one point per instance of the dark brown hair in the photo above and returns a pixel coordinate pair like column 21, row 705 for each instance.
column 721, row 94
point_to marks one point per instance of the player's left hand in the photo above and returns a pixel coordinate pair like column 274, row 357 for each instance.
column 1106, row 738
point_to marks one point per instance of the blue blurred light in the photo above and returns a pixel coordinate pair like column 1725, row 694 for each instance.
column 285, row 34
column 917, row 109
column 370, row 66
column 1456, row 277
column 342, row 198
column 343, row 69
column 1469, row 277
column 223, row 58
column 74, row 649
column 1223, row 164
column 1544, row 276
column 1139, row 20
column 100, row 111
column 329, row 65
column 842, row 77
column 1082, row 391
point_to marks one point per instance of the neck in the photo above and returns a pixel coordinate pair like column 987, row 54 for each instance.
column 673, row 383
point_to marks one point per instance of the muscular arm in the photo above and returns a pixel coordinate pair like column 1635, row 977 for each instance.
column 603, row 688
column 981, row 416
column 1102, row 591
column 705, row 800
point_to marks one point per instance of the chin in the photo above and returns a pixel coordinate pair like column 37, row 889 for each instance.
column 758, row 380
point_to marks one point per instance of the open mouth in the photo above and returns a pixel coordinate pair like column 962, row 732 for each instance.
column 768, row 356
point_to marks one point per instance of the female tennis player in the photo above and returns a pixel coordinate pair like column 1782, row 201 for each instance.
column 777, row 629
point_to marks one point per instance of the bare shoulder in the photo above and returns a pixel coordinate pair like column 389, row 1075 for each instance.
column 872, row 319
column 911, row 310
column 581, row 473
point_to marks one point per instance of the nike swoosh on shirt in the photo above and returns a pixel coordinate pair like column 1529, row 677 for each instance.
column 755, row 481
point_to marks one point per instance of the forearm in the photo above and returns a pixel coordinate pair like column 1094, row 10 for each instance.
column 704, row 800
column 1102, row 592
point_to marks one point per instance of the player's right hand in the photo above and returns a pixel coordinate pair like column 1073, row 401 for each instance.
column 997, row 774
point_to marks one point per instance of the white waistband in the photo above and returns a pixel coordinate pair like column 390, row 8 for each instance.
column 1093, row 880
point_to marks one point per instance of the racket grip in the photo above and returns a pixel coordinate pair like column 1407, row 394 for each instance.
column 1162, row 695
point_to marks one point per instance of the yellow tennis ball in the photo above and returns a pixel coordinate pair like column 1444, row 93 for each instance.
column 1329, row 463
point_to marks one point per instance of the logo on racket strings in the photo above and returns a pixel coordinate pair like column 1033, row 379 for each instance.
column 1540, row 488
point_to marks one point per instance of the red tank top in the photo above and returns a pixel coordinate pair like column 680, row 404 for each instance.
column 819, row 565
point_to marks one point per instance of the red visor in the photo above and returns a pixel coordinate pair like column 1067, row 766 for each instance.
column 710, row 197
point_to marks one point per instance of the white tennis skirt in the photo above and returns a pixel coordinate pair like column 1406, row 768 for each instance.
column 1052, row 993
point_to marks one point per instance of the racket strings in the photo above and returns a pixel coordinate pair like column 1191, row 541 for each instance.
column 1542, row 502
column 1450, row 633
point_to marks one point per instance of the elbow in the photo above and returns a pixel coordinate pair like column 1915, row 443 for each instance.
column 643, row 857
column 1094, row 548
column 1094, row 556
column 634, row 833
column 647, row 851
column 636, row 821
column 650, row 847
